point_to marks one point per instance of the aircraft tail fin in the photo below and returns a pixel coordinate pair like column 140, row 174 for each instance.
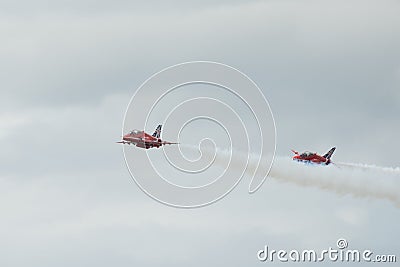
column 157, row 132
column 329, row 153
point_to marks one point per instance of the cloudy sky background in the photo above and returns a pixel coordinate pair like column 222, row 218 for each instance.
column 330, row 70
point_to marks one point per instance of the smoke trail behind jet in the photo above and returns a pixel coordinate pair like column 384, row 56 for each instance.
column 357, row 180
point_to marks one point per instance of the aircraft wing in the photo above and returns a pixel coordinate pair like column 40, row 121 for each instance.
column 168, row 143
column 131, row 141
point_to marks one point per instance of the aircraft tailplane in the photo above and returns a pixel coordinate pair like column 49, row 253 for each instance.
column 157, row 132
column 329, row 153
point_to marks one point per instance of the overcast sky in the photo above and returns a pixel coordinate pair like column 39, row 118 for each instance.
column 329, row 69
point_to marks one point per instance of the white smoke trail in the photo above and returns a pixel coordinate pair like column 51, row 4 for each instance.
column 358, row 180
column 395, row 170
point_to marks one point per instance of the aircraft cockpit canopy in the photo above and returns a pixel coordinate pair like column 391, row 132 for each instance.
column 135, row 132
column 307, row 154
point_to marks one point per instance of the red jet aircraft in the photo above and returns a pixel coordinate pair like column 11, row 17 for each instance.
column 144, row 140
column 309, row 157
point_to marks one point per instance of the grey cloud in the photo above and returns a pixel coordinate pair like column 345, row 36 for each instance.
column 330, row 71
